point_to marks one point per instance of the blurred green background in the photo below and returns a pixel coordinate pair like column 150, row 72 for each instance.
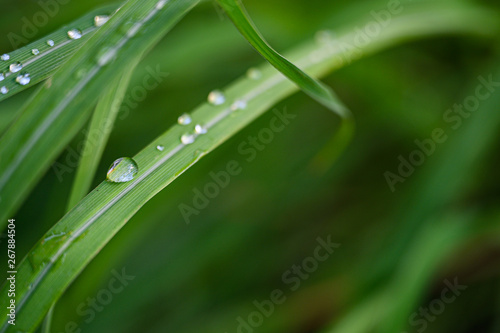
column 398, row 250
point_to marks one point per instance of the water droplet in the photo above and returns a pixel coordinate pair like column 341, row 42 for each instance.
column 5, row 57
column 187, row 138
column 23, row 79
column 216, row 97
column 99, row 20
column 50, row 42
column 2, row 77
column 184, row 119
column 199, row 129
column 323, row 36
column 15, row 67
column 4, row 90
column 35, row 51
column 254, row 74
column 122, row 170
column 74, row 34
column 239, row 105
column 160, row 148
column 160, row 4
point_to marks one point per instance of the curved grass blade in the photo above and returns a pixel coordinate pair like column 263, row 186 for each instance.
column 314, row 88
column 42, row 58
column 99, row 130
column 61, row 106
column 71, row 244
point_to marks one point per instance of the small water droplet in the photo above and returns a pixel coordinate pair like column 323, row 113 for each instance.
column 35, row 51
column 187, row 138
column 184, row 119
column 5, row 57
column 254, row 74
column 239, row 105
column 323, row 36
column 160, row 4
column 4, row 90
column 122, row 170
column 23, row 79
column 216, row 97
column 160, row 148
column 15, row 67
column 74, row 34
column 99, row 20
column 199, row 129
column 2, row 77
column 50, row 42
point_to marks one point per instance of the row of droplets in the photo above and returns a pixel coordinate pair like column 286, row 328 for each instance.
column 24, row 79
column 124, row 169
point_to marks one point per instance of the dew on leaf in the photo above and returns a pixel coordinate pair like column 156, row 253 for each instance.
column 122, row 170
column 184, row 119
column 216, row 97
column 74, row 34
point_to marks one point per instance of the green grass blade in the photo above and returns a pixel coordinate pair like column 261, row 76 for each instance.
column 314, row 88
column 71, row 244
column 61, row 106
column 309, row 85
column 41, row 60
column 100, row 127
column 99, row 130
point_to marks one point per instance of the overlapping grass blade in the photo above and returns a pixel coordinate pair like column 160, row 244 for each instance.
column 314, row 88
column 98, row 133
column 40, row 60
column 59, row 109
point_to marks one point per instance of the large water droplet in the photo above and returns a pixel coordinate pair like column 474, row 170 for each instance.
column 15, row 67
column 5, row 57
column 239, row 105
column 254, row 74
column 184, row 119
column 160, row 148
column 122, row 170
column 2, row 77
column 74, row 34
column 199, row 129
column 187, row 138
column 23, row 79
column 99, row 20
column 216, row 97
column 35, row 52
column 50, row 42
column 4, row 90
